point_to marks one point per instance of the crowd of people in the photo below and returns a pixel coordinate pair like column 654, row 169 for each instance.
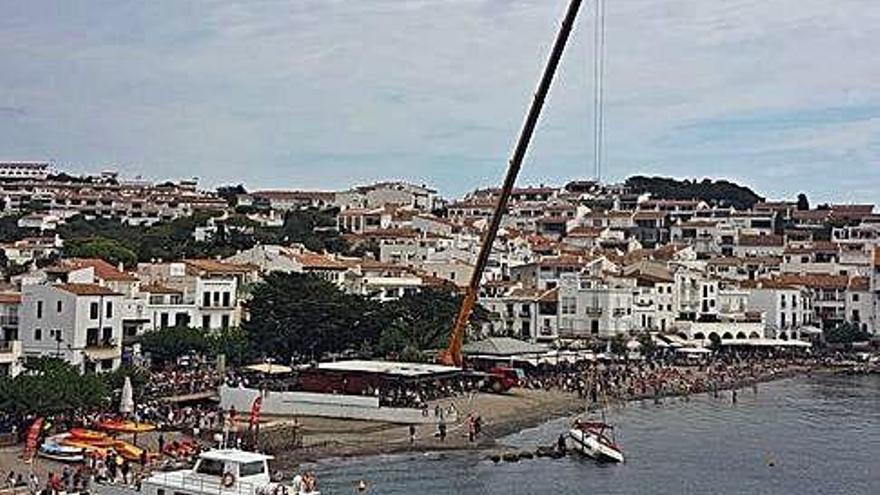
column 624, row 380
column 176, row 382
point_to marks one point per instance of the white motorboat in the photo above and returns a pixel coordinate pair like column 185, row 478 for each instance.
column 217, row 472
column 589, row 438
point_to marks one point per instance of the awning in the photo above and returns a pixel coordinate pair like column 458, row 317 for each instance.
column 765, row 343
column 693, row 350
column 503, row 346
column 810, row 330
column 269, row 369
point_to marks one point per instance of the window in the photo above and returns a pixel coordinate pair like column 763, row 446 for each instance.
column 569, row 305
column 206, row 321
column 210, row 466
column 94, row 310
column 206, row 299
column 181, row 320
column 91, row 337
column 39, row 309
column 216, row 299
column 163, row 320
column 107, row 364
column 38, row 334
column 250, row 468
column 107, row 335
column 224, row 321
column 109, row 309
column 855, row 298
column 58, row 306
column 226, row 300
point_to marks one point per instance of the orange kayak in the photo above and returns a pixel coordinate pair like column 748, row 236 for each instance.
column 125, row 426
column 100, row 452
column 128, row 451
column 88, row 435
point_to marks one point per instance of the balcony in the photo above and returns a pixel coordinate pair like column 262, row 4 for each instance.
column 595, row 311
column 102, row 349
column 7, row 321
column 101, row 344
column 10, row 351
column 10, row 346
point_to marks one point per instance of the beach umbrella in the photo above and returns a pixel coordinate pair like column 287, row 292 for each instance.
column 126, row 405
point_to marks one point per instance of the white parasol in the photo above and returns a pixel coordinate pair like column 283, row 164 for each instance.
column 126, row 405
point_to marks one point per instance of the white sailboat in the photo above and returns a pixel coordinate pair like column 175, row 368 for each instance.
column 589, row 438
column 595, row 439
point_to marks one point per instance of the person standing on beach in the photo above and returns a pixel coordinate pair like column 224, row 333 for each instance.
column 412, row 434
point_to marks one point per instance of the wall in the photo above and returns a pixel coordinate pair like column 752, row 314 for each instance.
column 320, row 405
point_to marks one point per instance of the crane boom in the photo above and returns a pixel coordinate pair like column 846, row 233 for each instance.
column 452, row 355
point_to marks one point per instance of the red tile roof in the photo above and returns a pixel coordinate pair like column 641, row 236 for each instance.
column 315, row 261
column 159, row 289
column 214, row 266
column 761, row 240
column 861, row 284
column 10, row 298
column 103, row 270
column 87, row 290
column 815, row 281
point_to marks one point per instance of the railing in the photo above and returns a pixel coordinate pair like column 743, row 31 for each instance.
column 192, row 482
column 8, row 346
column 9, row 320
column 101, row 344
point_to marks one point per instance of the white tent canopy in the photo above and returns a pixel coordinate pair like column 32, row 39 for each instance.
column 269, row 368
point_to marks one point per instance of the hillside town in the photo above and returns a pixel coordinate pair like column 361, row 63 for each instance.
column 577, row 262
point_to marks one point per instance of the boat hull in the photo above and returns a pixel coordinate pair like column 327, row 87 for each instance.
column 589, row 444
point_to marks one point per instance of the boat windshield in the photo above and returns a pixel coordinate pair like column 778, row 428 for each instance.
column 250, row 468
column 210, row 466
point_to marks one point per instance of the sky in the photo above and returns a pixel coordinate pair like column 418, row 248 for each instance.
column 781, row 95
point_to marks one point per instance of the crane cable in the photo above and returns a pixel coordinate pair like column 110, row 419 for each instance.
column 598, row 86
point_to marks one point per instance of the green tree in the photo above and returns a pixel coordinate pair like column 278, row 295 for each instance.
column 109, row 250
column 421, row 321
column 50, row 386
column 845, row 333
column 303, row 317
column 168, row 344
column 234, row 343
column 231, row 193
column 803, row 203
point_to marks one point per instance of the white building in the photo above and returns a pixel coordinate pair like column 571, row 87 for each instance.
column 77, row 322
column 203, row 293
column 34, row 170
column 10, row 345
column 591, row 307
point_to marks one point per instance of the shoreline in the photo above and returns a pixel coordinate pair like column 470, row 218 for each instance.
column 559, row 405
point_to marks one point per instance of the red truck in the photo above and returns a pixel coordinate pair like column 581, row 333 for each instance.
column 500, row 379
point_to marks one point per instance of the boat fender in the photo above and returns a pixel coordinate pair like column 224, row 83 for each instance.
column 228, row 480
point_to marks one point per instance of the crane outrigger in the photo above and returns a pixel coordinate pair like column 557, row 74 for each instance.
column 452, row 355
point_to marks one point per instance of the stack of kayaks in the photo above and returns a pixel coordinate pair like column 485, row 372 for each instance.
column 53, row 448
column 70, row 446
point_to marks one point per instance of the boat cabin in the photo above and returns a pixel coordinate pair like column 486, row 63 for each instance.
column 216, row 471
